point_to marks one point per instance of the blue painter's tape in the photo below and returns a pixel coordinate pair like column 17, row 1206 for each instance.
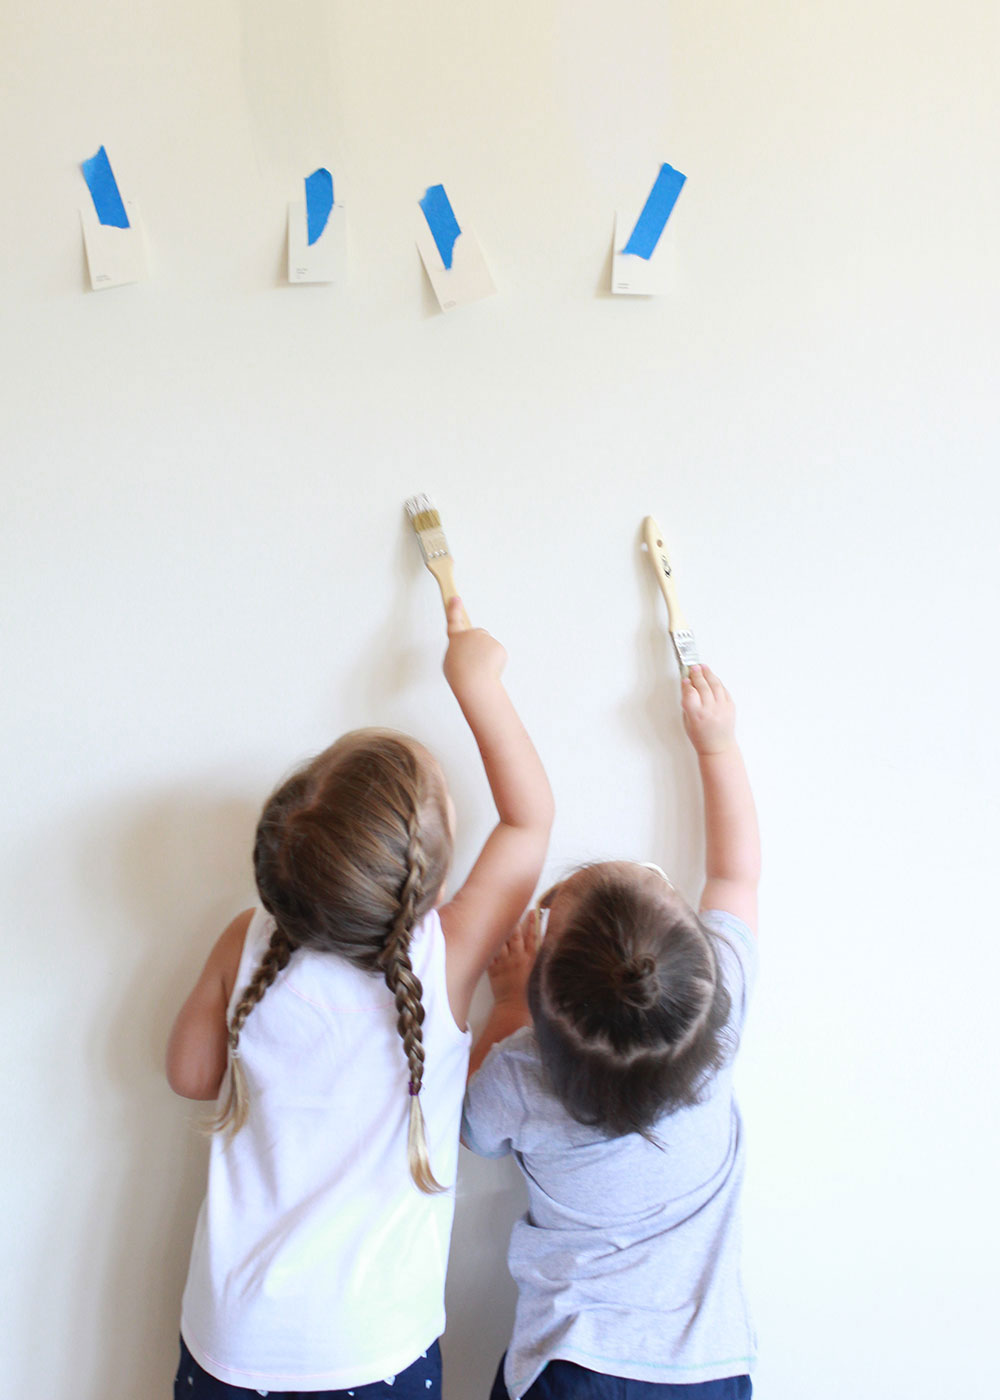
column 441, row 221
column 655, row 212
column 319, row 202
column 104, row 190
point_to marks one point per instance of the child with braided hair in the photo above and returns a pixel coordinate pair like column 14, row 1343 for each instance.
column 606, row 1070
column 330, row 1025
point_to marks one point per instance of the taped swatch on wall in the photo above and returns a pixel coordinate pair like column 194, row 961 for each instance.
column 317, row 248
column 645, row 265
column 112, row 230
column 450, row 251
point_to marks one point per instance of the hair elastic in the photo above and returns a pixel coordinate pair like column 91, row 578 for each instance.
column 414, row 1088
column 651, row 865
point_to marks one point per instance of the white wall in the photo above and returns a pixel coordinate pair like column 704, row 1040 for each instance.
column 207, row 575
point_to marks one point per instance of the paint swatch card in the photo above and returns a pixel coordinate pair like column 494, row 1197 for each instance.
column 451, row 253
column 317, row 243
column 112, row 229
column 644, row 262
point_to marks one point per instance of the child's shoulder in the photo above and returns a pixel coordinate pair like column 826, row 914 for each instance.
column 517, row 1054
column 512, row 1072
column 730, row 926
column 509, row 1104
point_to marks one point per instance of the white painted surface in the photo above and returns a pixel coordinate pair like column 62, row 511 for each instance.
column 207, row 574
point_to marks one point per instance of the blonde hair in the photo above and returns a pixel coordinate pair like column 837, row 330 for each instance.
column 351, row 852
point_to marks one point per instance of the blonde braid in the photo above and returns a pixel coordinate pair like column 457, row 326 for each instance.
column 405, row 986
column 232, row 1114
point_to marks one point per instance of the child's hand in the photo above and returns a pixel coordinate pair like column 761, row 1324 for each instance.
column 473, row 656
column 509, row 972
column 709, row 712
column 510, row 969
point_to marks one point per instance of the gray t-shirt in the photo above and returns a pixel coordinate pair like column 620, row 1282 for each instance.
column 628, row 1259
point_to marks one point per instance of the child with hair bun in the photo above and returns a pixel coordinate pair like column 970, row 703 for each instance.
column 330, row 1025
column 606, row 1069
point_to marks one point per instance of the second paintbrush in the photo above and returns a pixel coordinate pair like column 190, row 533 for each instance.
column 680, row 632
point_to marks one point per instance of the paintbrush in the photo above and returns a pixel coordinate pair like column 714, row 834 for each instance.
column 680, row 633
column 426, row 523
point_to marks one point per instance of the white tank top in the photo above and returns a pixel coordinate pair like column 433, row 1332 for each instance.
column 317, row 1264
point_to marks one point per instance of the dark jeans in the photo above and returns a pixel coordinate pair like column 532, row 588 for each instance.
column 564, row 1380
column 421, row 1381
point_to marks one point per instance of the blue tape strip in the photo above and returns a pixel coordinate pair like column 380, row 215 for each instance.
column 655, row 212
column 441, row 221
column 319, row 202
column 104, row 190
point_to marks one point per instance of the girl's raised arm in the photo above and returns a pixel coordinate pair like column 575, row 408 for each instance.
column 732, row 838
column 483, row 912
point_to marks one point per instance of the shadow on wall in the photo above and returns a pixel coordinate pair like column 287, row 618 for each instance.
column 480, row 1293
column 171, row 873
column 396, row 681
column 652, row 716
column 381, row 680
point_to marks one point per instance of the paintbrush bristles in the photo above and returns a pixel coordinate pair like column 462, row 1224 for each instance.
column 422, row 513
column 426, row 520
column 426, row 523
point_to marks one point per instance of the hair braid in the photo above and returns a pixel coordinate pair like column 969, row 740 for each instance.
column 233, row 1113
column 406, row 988
column 350, row 853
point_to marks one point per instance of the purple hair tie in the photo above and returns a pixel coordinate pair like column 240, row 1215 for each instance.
column 414, row 1088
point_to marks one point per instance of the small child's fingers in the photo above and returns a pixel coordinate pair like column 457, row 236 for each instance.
column 457, row 617
column 528, row 931
column 720, row 692
column 498, row 957
column 531, row 926
column 699, row 681
column 690, row 698
column 513, row 944
column 714, row 684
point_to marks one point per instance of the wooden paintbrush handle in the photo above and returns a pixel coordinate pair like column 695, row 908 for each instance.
column 443, row 570
column 660, row 561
